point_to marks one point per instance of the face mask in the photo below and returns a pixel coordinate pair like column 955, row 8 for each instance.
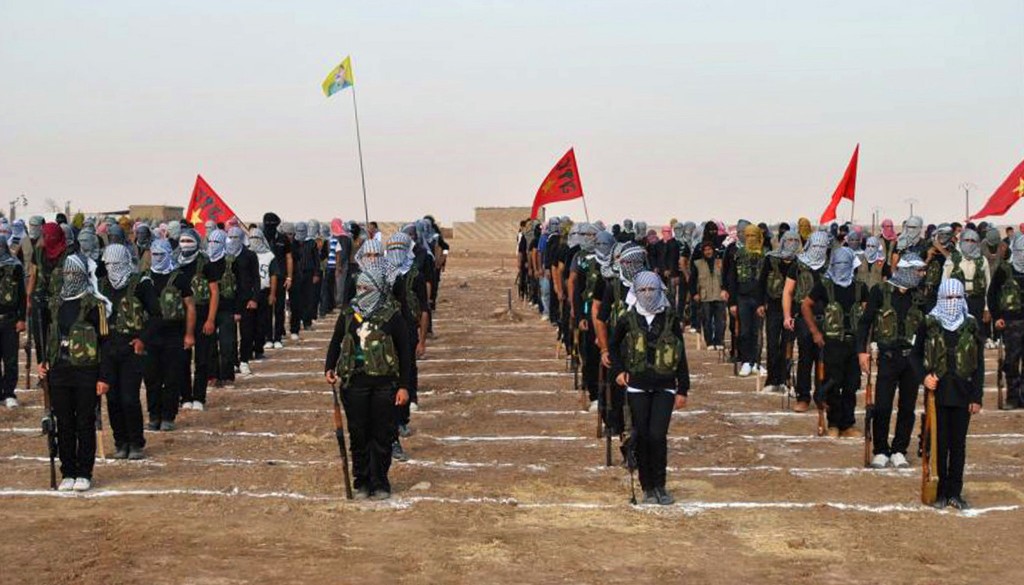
column 753, row 238
column 118, row 260
column 970, row 245
column 840, row 270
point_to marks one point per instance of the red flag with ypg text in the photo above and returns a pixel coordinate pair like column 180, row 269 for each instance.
column 845, row 190
column 561, row 184
column 1011, row 191
column 206, row 205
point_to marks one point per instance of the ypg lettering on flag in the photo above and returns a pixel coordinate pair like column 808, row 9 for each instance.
column 567, row 177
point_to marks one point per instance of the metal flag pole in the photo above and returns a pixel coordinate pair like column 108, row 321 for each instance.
column 585, row 212
column 359, row 144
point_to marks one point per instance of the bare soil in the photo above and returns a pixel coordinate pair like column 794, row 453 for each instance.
column 507, row 483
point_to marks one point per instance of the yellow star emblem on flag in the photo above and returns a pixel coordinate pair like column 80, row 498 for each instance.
column 196, row 217
column 1020, row 188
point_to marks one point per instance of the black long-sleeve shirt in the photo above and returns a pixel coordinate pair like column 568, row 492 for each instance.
column 996, row 287
column 679, row 380
column 396, row 328
column 952, row 390
column 419, row 288
column 247, row 278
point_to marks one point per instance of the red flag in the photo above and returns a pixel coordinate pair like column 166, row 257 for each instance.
column 561, row 184
column 845, row 190
column 1006, row 195
column 206, row 205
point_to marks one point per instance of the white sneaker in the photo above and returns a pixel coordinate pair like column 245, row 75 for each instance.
column 238, row 369
column 82, row 485
column 66, row 485
column 543, row 317
column 593, row 406
column 11, row 402
column 244, row 369
column 187, row 405
column 413, row 407
column 762, row 370
column 198, row 406
column 769, row 388
column 268, row 345
column 879, row 461
column 294, row 337
column 745, row 370
column 278, row 345
column 899, row 461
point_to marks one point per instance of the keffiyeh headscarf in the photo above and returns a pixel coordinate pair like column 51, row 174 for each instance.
column 753, row 239
column 143, row 236
column 89, row 244
column 970, row 244
column 162, row 259
column 235, row 242
column 1017, row 253
column 632, row 261
column 951, row 307
column 840, row 269
column 17, row 232
column 888, row 231
column 648, row 294
column 35, row 227
column 909, row 271
column 603, row 246
column 587, row 234
column 215, row 245
column 371, row 256
column 911, row 234
column 118, row 260
column 6, row 258
column 115, row 235
column 69, row 234
column 789, row 246
column 816, row 253
column 337, row 227
column 371, row 291
column 188, row 247
column 76, row 278
column 270, row 223
column 943, row 237
column 258, row 242
column 399, row 255
column 313, row 226
column 54, row 243
column 301, row 232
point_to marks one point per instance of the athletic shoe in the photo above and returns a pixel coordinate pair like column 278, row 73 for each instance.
column 745, row 370
column 82, row 484
column 650, row 497
column 278, row 345
column 879, row 461
column 544, row 318
column 664, row 498
column 404, row 431
column 413, row 407
column 153, row 425
column 238, row 369
column 381, row 495
column 135, row 453
column 398, row 453
column 899, row 461
column 11, row 402
column 197, row 406
column 186, row 405
column 268, row 345
column 244, row 369
column 763, row 370
column 769, row 388
column 959, row 503
column 593, row 406
column 940, row 503
column 361, row 494
column 121, row 452
column 167, row 426
column 294, row 337
column 66, row 485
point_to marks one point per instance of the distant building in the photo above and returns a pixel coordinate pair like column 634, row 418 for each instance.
column 491, row 223
column 156, row 212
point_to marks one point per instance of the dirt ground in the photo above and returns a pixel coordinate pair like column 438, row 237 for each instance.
column 506, row 484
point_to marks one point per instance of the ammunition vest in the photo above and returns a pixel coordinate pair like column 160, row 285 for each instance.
column 130, row 314
column 81, row 346
column 618, row 308
column 804, row 282
column 8, row 287
column 593, row 272
column 869, row 274
column 229, row 282
column 411, row 300
column 49, row 279
column 709, row 281
column 889, row 329
column 933, row 275
column 776, row 278
column 172, row 306
column 748, row 266
column 200, row 284
column 1009, row 294
column 376, row 354
column 838, row 326
column 977, row 284
column 667, row 349
column 936, row 356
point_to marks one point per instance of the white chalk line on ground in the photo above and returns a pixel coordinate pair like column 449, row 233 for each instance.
column 491, row 374
column 400, row 503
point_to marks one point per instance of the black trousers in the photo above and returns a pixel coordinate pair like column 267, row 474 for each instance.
column 246, row 334
column 227, row 345
column 776, row 338
column 327, row 291
column 278, row 313
column 196, row 381
column 263, row 324
column 951, row 430
column 615, row 420
column 713, row 322
column 843, row 372
column 590, row 356
column 371, row 429
column 123, row 402
column 652, row 412
column 75, row 407
column 806, row 360
column 976, row 308
column 298, row 302
column 750, row 328
column 414, row 382
column 163, row 379
column 1013, row 338
column 40, row 323
column 9, row 351
column 894, row 372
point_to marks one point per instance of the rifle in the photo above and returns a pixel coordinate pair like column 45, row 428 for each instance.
column 760, row 350
column 49, row 422
column 339, row 433
column 789, row 374
column 99, row 427
column 734, row 346
column 601, row 375
column 1000, row 377
column 821, row 393
column 929, row 454
column 869, row 410
column 28, row 351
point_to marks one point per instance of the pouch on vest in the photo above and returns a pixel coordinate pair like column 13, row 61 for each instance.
column 81, row 346
column 171, row 306
column 776, row 280
column 200, row 285
column 967, row 350
column 131, row 314
column 1009, row 295
column 804, row 283
column 411, row 300
column 228, row 282
column 379, row 353
column 8, row 287
column 346, row 365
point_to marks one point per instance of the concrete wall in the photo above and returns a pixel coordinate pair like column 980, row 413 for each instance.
column 156, row 212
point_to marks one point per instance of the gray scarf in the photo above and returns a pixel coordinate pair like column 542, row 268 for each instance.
column 840, row 270
column 215, row 249
column 816, row 253
column 908, row 271
column 118, row 260
column 970, row 244
column 371, row 291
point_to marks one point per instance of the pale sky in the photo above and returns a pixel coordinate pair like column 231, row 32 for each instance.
column 685, row 109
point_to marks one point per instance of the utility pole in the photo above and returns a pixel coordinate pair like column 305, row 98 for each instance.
column 910, row 201
column 20, row 200
column 967, row 186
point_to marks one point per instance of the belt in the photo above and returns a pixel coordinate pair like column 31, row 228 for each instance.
column 895, row 352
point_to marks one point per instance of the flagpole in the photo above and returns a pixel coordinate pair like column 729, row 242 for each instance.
column 585, row 212
column 359, row 144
